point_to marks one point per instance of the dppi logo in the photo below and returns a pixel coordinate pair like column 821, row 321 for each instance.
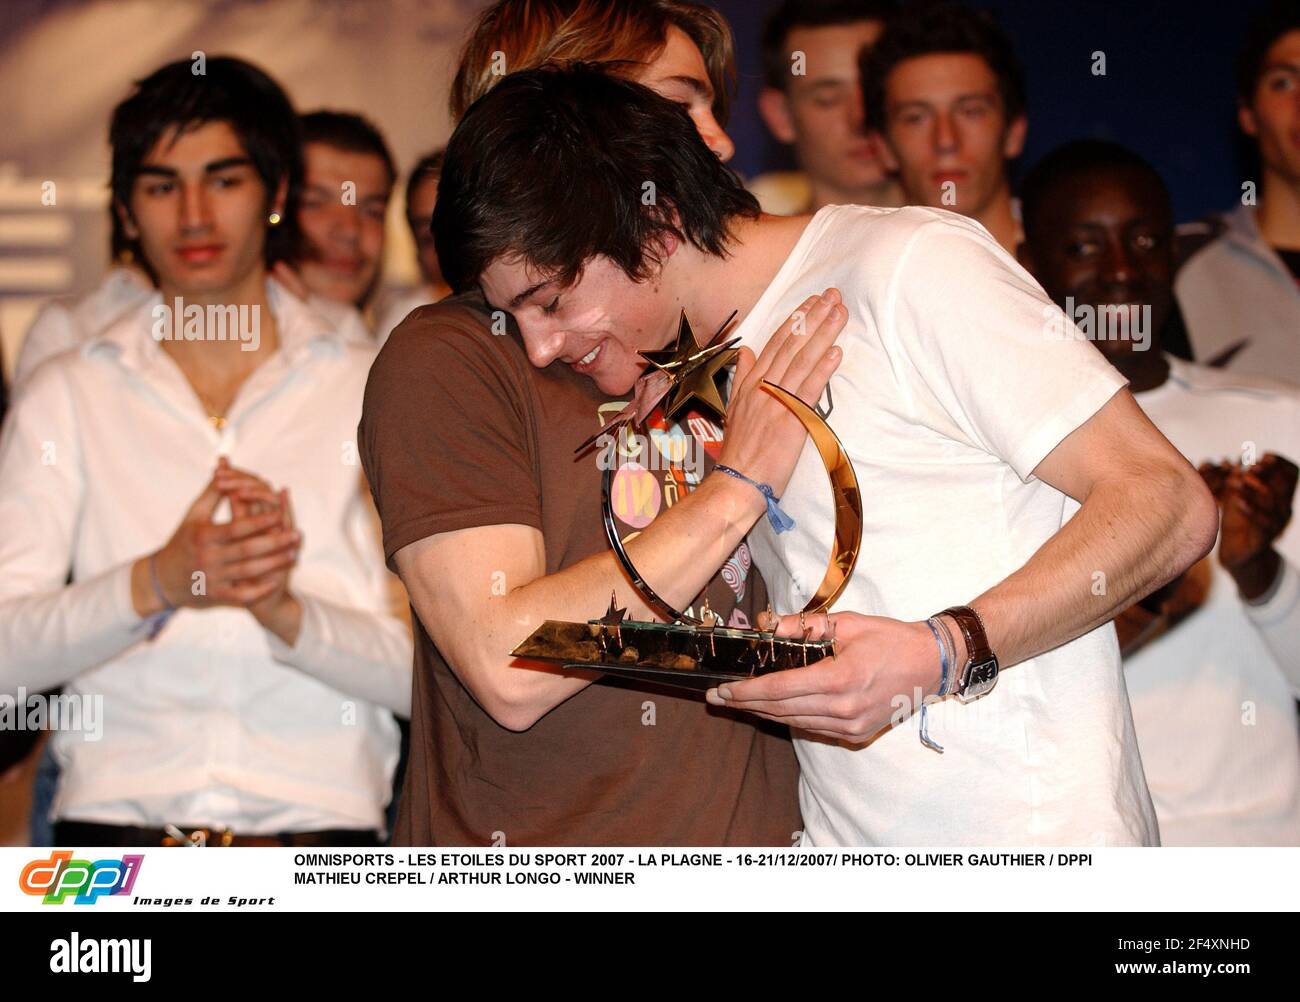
column 60, row 875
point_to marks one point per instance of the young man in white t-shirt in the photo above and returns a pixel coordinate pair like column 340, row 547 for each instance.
column 970, row 425
column 1212, row 661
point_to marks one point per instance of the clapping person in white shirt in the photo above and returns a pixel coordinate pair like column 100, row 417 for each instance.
column 1213, row 659
column 247, row 662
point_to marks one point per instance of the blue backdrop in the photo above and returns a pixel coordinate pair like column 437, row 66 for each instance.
column 1168, row 92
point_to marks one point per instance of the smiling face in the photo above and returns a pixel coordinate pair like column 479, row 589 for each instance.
column 1106, row 241
column 597, row 325
column 679, row 74
column 946, row 131
column 344, row 229
column 199, row 208
column 820, row 110
column 1273, row 116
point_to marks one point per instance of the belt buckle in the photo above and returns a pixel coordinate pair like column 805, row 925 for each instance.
column 198, row 838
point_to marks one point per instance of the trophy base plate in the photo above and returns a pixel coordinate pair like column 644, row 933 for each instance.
column 689, row 657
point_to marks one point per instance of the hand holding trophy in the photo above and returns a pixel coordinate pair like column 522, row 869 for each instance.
column 695, row 651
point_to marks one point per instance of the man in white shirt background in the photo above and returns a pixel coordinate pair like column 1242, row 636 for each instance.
column 972, row 435
column 1212, row 661
column 812, row 100
column 944, row 96
column 248, row 664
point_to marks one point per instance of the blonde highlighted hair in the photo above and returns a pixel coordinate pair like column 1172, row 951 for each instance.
column 514, row 35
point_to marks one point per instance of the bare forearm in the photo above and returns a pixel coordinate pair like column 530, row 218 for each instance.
column 482, row 620
column 678, row 554
column 1130, row 537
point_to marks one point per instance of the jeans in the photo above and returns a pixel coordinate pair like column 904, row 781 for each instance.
column 44, row 787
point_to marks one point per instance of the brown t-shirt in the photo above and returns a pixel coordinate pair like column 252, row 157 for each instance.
column 459, row 430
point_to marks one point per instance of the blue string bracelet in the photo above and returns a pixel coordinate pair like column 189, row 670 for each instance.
column 781, row 522
column 943, row 682
column 158, row 620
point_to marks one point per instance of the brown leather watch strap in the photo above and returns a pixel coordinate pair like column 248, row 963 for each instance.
column 972, row 628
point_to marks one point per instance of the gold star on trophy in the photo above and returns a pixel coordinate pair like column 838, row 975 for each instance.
column 692, row 371
column 682, row 373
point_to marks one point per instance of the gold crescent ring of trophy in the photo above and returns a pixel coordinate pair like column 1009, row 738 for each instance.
column 848, row 499
column 848, row 514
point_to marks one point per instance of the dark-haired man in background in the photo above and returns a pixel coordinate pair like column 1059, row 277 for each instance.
column 1240, row 294
column 972, row 434
column 945, row 94
column 812, row 100
column 247, row 664
column 1213, row 662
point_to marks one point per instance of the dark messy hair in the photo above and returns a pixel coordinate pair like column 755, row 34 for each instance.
column 926, row 28
column 1082, row 157
column 560, row 164
column 792, row 14
column 1274, row 21
column 178, row 98
column 345, row 130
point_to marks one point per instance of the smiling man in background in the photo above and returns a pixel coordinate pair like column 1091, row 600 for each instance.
column 349, row 179
column 1213, row 661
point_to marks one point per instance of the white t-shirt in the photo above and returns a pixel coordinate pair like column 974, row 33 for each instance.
column 951, row 391
column 1215, row 713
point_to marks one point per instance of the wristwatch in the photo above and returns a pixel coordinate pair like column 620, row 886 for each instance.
column 980, row 672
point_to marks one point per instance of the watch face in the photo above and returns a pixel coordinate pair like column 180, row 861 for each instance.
column 980, row 678
column 983, row 674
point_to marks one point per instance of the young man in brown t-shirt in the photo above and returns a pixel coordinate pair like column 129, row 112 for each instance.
column 495, row 525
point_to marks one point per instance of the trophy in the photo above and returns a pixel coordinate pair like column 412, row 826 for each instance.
column 687, row 651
